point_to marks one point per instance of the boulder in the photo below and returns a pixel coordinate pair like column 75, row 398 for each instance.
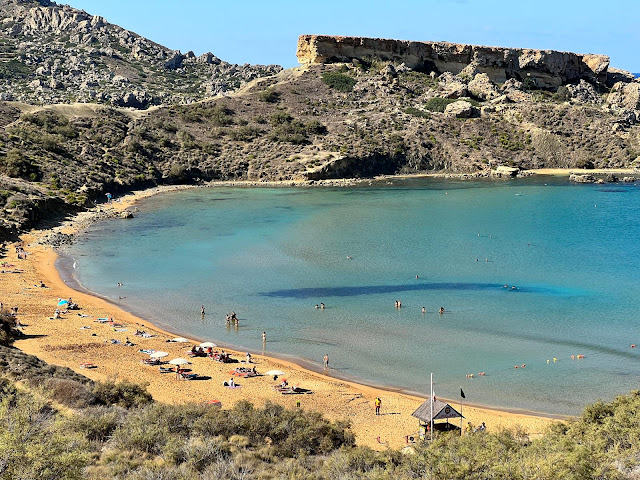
column 482, row 87
column 460, row 109
column 512, row 85
column 56, row 84
column 624, row 96
column 174, row 62
column 208, row 58
column 504, row 171
column 615, row 75
column 452, row 86
column 584, row 92
column 582, row 178
column 390, row 72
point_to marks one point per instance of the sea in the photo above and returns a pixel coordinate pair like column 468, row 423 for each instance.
column 533, row 273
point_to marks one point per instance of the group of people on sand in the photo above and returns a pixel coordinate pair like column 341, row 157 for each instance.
column 469, row 429
column 198, row 351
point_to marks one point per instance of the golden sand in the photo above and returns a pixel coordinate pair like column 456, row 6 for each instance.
column 74, row 339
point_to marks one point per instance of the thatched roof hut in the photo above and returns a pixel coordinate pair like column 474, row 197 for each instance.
column 441, row 411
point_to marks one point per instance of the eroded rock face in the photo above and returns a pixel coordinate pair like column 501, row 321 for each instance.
column 545, row 68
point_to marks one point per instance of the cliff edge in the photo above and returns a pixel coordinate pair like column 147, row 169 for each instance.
column 545, row 68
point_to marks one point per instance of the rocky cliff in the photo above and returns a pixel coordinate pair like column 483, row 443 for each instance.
column 545, row 68
column 53, row 54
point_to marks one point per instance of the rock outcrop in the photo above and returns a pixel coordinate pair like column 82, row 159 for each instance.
column 544, row 68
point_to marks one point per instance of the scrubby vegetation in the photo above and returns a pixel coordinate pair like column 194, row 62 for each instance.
column 65, row 426
column 438, row 104
column 339, row 81
column 142, row 440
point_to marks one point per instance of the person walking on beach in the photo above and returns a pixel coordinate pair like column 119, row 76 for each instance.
column 378, row 403
column 325, row 360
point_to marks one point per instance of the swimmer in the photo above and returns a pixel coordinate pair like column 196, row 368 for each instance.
column 505, row 286
column 417, row 277
column 349, row 257
column 317, row 306
column 424, row 310
column 441, row 311
column 321, row 306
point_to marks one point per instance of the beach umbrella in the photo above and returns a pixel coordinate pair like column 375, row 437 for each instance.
column 208, row 345
column 179, row 361
column 158, row 355
column 62, row 303
column 275, row 372
column 181, row 340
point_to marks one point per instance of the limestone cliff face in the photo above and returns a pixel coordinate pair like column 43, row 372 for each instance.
column 547, row 68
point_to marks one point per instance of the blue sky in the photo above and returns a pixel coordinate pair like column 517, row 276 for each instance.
column 260, row 31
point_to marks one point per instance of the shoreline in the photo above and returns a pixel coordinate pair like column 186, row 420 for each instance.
column 296, row 362
column 66, row 346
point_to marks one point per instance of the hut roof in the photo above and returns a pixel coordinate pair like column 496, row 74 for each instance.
column 441, row 411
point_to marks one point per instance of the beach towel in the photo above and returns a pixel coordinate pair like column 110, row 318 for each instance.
column 148, row 351
column 120, row 329
column 234, row 386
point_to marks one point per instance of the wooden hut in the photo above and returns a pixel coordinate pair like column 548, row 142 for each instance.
column 441, row 411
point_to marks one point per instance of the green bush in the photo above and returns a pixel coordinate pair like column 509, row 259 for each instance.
column 280, row 118
column 17, row 164
column 438, row 104
column 269, row 95
column 244, row 134
column 8, row 332
column 339, row 81
column 417, row 113
column 124, row 394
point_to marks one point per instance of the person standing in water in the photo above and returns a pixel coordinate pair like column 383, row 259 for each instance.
column 325, row 360
column 424, row 310
column 202, row 310
column 264, row 337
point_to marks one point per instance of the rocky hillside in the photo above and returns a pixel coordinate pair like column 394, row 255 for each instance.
column 361, row 118
column 57, row 54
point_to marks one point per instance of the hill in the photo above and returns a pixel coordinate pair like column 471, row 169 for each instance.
column 57, row 54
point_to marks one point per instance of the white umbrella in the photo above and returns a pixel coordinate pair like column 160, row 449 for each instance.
column 181, row 340
column 158, row 355
column 275, row 372
column 208, row 345
column 179, row 361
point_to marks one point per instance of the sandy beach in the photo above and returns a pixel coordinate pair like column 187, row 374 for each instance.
column 78, row 337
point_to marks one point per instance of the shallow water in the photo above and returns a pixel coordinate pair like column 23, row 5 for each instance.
column 272, row 254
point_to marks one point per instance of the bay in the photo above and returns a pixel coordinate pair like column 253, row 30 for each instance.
column 272, row 254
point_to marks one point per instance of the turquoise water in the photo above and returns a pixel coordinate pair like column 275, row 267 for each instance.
column 272, row 254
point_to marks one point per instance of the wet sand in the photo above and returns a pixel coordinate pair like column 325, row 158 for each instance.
column 77, row 338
